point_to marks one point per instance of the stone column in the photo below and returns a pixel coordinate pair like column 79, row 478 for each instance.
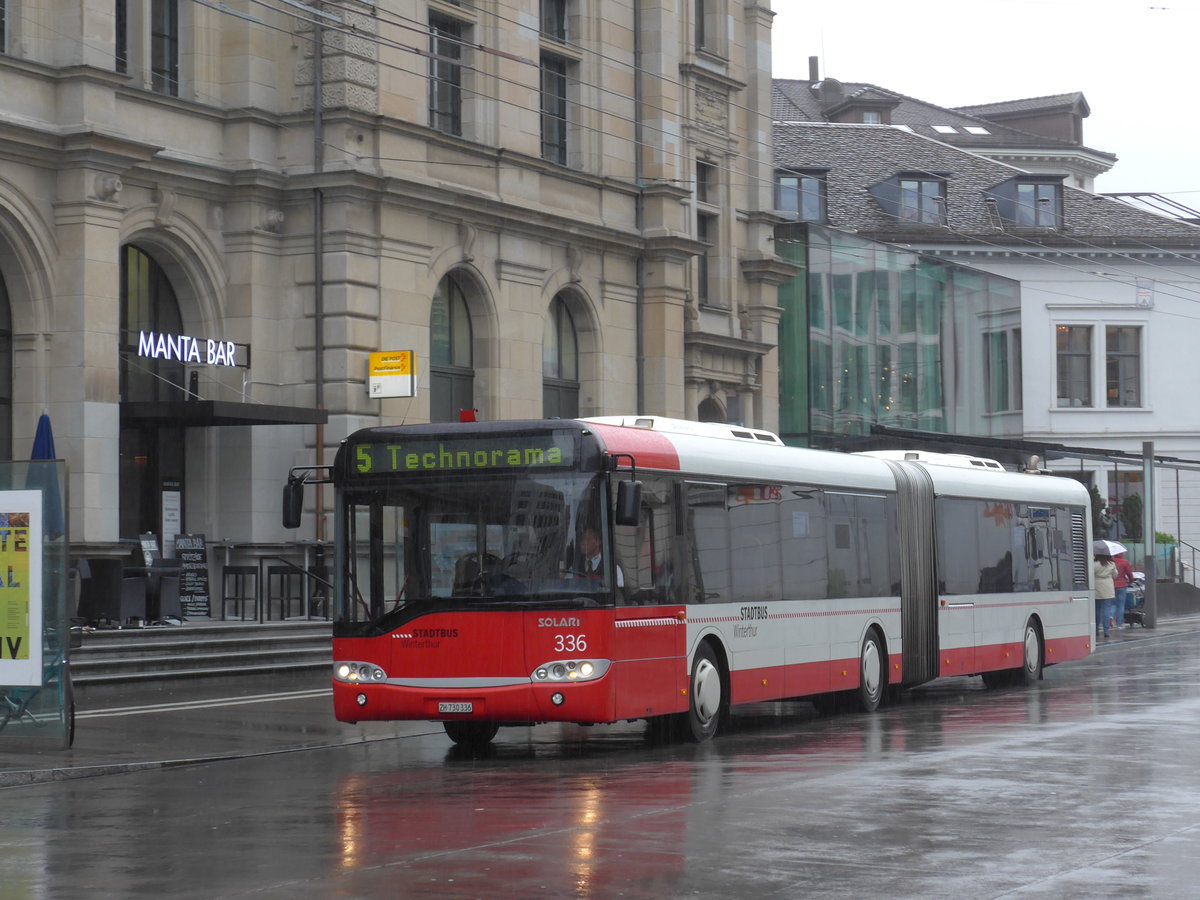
column 83, row 355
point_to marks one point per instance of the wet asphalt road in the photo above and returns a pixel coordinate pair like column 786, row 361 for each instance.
column 1084, row 786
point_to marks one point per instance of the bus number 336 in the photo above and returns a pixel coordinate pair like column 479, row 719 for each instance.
column 570, row 643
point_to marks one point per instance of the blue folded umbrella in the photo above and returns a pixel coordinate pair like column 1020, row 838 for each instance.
column 43, row 476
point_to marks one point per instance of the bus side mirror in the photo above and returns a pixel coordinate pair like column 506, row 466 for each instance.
column 293, row 501
column 629, row 502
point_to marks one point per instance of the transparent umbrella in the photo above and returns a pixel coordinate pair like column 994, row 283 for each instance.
column 1107, row 548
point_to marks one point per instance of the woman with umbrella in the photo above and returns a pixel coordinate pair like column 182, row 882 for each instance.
column 1105, row 570
column 1121, row 583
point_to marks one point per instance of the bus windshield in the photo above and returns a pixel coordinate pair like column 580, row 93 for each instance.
column 469, row 542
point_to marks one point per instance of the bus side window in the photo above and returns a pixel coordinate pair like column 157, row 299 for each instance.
column 708, row 542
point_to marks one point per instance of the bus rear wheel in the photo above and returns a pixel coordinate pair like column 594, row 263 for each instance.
column 872, row 673
column 1032, row 655
column 471, row 734
column 707, row 700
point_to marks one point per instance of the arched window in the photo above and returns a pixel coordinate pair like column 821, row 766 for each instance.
column 6, row 373
column 148, row 304
column 152, row 451
column 710, row 411
column 560, row 363
column 451, row 361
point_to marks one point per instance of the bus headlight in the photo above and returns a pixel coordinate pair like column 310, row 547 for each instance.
column 561, row 670
column 358, row 672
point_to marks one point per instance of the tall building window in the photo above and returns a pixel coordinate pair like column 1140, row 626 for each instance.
column 706, row 182
column 560, row 363
column 706, row 233
column 6, row 373
column 1074, row 352
column 704, row 31
column 801, row 196
column 164, row 47
column 1123, row 365
column 554, row 109
column 554, row 19
column 121, row 37
column 922, row 201
column 445, row 74
column 451, row 353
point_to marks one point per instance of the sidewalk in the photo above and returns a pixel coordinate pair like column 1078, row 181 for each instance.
column 183, row 730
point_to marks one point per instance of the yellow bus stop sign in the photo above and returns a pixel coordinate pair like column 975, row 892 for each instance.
column 390, row 374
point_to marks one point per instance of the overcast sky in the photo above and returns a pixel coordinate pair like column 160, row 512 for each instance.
column 1135, row 62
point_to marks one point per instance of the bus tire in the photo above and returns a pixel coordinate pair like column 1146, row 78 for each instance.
column 471, row 734
column 1033, row 653
column 997, row 679
column 827, row 704
column 706, row 697
column 872, row 673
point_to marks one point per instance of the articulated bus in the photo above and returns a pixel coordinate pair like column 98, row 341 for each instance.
column 735, row 570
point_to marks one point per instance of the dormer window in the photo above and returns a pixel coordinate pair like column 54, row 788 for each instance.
column 915, row 197
column 922, row 200
column 1029, row 201
column 1037, row 204
column 801, row 195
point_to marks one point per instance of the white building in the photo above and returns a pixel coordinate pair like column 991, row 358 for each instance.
column 1096, row 353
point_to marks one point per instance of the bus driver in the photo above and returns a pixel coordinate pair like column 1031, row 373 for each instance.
column 593, row 563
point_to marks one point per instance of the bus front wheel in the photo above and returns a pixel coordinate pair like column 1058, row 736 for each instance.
column 707, row 697
column 471, row 734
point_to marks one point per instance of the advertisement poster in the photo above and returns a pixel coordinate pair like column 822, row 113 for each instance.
column 21, row 588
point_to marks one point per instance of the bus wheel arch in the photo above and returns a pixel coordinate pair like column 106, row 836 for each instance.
column 708, row 693
column 872, row 670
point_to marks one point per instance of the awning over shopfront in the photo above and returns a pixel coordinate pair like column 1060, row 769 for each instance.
column 204, row 413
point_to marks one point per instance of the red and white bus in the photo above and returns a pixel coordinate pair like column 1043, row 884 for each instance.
column 736, row 570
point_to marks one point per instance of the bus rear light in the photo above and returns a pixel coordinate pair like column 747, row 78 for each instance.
column 358, row 672
column 571, row 670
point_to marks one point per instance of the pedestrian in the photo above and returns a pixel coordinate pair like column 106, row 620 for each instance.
column 1105, row 570
column 1121, row 583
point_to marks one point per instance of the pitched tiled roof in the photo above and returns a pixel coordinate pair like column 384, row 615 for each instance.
column 1032, row 104
column 860, row 156
column 797, row 101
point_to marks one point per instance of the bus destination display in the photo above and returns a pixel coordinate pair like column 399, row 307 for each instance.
column 499, row 452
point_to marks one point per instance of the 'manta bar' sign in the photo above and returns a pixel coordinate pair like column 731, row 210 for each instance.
column 185, row 349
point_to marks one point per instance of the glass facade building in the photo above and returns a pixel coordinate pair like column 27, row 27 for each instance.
column 872, row 334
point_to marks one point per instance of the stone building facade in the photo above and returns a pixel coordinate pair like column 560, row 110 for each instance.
column 562, row 207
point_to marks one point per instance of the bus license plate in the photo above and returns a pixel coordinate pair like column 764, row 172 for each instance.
column 446, row 706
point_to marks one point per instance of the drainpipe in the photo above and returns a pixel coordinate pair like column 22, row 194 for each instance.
column 1148, row 517
column 319, row 259
column 639, row 211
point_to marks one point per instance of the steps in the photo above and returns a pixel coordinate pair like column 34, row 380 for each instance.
column 201, row 651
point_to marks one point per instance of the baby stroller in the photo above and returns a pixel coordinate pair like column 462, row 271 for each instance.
column 1135, row 603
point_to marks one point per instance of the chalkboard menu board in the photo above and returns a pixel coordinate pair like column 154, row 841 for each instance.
column 193, row 574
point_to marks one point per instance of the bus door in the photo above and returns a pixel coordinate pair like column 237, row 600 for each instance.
column 918, row 575
column 649, row 645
